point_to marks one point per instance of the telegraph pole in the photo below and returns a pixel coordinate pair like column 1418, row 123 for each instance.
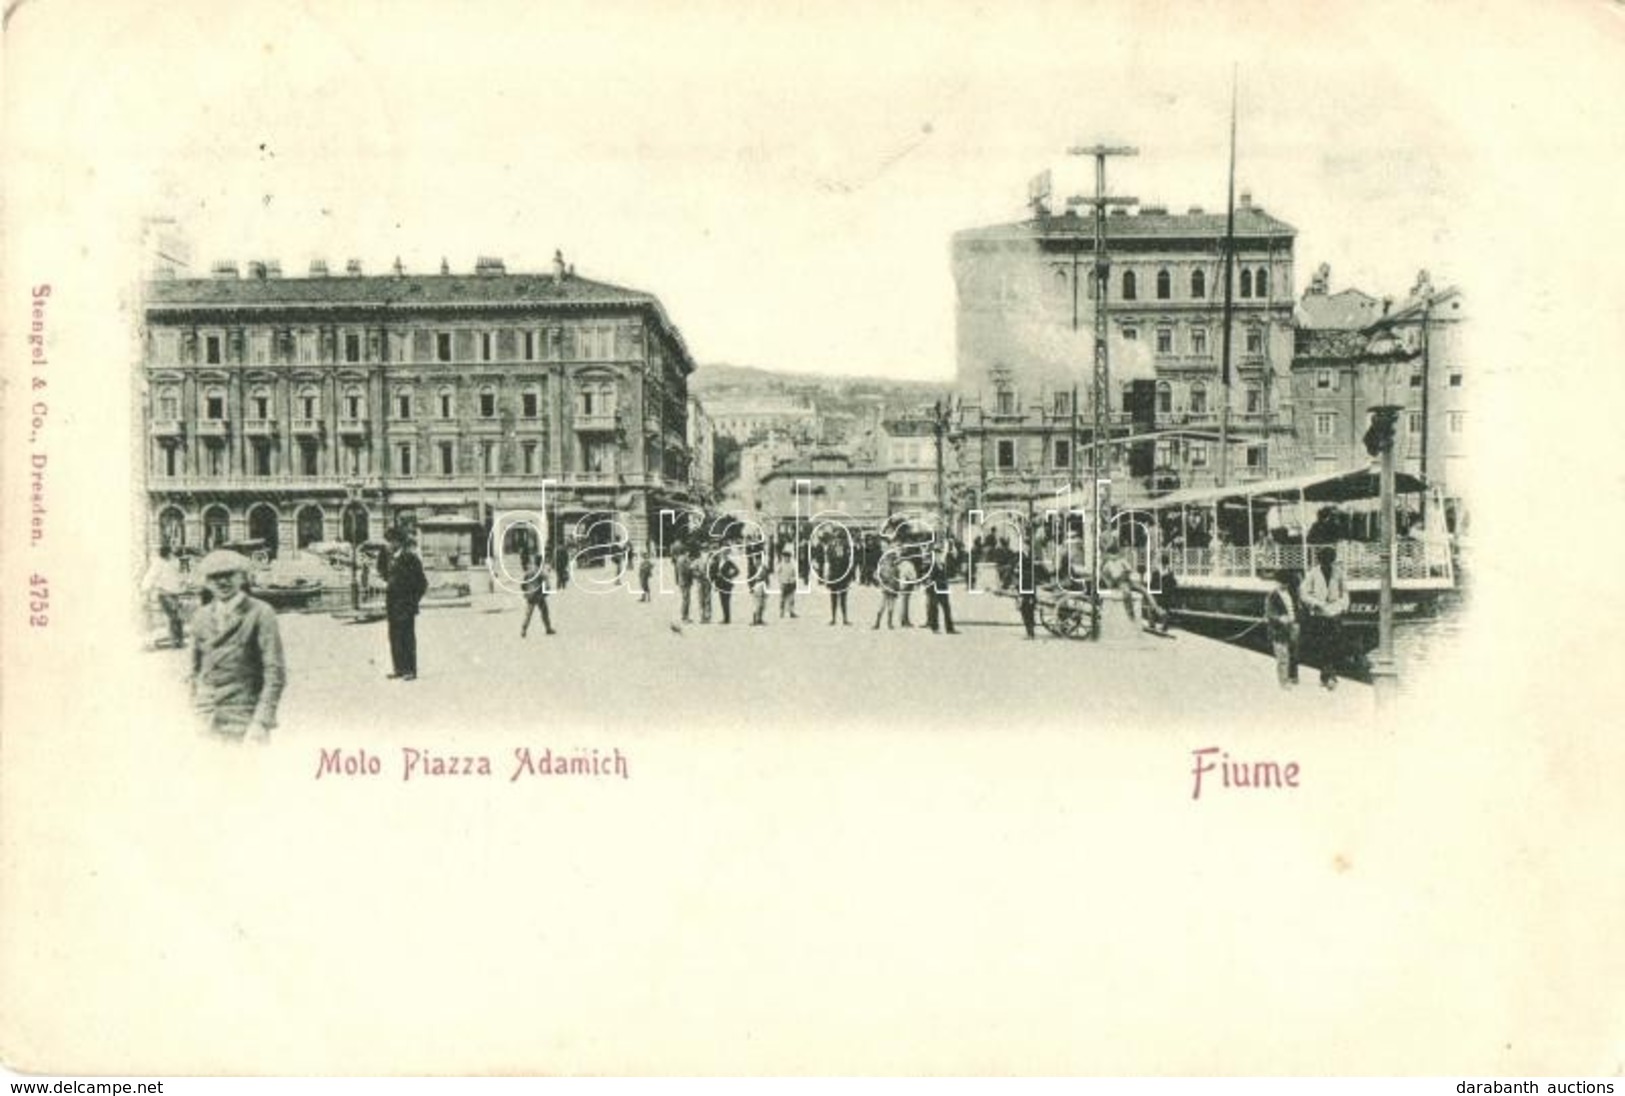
column 1100, row 457
column 939, row 423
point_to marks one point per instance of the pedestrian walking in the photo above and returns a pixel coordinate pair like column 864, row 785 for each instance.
column 787, row 583
column 886, row 577
column 837, row 578
column 760, row 573
column 1325, row 598
column 944, row 567
column 1026, row 577
column 163, row 581
column 646, row 570
column 723, row 572
column 1281, row 618
column 561, row 562
column 238, row 671
column 536, row 591
column 405, row 586
column 683, row 565
column 702, row 582
column 908, row 577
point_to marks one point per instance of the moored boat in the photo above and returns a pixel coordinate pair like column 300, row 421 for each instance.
column 1214, row 553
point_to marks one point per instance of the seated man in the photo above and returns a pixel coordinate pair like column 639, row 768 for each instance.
column 1116, row 573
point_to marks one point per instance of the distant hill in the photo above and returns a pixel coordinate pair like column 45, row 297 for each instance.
column 743, row 379
column 846, row 405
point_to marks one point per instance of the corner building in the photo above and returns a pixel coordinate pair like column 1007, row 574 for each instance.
column 296, row 410
column 1025, row 317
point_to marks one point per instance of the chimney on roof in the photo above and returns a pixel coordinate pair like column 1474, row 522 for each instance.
column 318, row 268
column 485, row 264
column 352, row 267
column 559, row 270
column 224, row 269
column 1246, row 200
column 400, row 268
column 256, row 270
column 273, row 268
column 1195, row 211
column 1154, row 211
column 445, row 267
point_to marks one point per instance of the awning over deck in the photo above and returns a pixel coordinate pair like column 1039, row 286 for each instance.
column 1346, row 486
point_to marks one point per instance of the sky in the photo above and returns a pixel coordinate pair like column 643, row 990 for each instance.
column 786, row 181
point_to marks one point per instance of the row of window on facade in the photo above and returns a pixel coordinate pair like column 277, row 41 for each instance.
column 589, row 342
column 593, row 401
column 1196, row 402
column 1455, row 423
column 1197, row 341
column 1169, row 453
column 1330, row 380
column 912, row 489
column 401, row 459
column 1251, row 283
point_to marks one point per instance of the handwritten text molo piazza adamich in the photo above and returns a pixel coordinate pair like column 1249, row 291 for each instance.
column 419, row 763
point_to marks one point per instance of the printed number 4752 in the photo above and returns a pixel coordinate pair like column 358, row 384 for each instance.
column 39, row 601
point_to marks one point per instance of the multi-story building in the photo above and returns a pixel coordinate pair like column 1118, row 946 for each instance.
column 1026, row 314
column 907, row 449
column 1020, row 448
column 1349, row 360
column 295, row 410
column 1431, row 326
column 746, row 416
column 757, row 457
column 828, row 482
column 701, row 451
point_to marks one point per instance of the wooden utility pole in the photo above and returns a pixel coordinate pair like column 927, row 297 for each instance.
column 1100, row 456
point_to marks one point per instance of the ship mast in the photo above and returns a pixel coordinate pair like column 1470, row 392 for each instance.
column 1229, row 303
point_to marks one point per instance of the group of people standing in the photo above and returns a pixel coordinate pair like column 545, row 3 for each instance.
column 706, row 570
column 1305, row 617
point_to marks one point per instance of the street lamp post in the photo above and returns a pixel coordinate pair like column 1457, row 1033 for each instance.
column 352, row 494
column 1379, row 440
column 1386, row 355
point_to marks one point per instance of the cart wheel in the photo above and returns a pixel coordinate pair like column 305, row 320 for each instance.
column 1071, row 613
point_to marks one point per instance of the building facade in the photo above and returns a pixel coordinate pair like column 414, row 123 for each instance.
column 1025, row 317
column 828, row 483
column 297, row 410
column 907, row 449
column 745, row 417
column 1411, row 356
column 701, row 451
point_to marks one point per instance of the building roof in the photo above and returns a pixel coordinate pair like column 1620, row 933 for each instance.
column 1326, row 346
column 404, row 292
column 431, row 290
column 1251, row 221
column 1345, row 310
column 821, row 468
column 1411, row 310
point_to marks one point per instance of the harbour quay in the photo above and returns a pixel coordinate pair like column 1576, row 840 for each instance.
column 616, row 663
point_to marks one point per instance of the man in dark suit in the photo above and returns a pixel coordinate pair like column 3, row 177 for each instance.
column 237, row 666
column 403, row 571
